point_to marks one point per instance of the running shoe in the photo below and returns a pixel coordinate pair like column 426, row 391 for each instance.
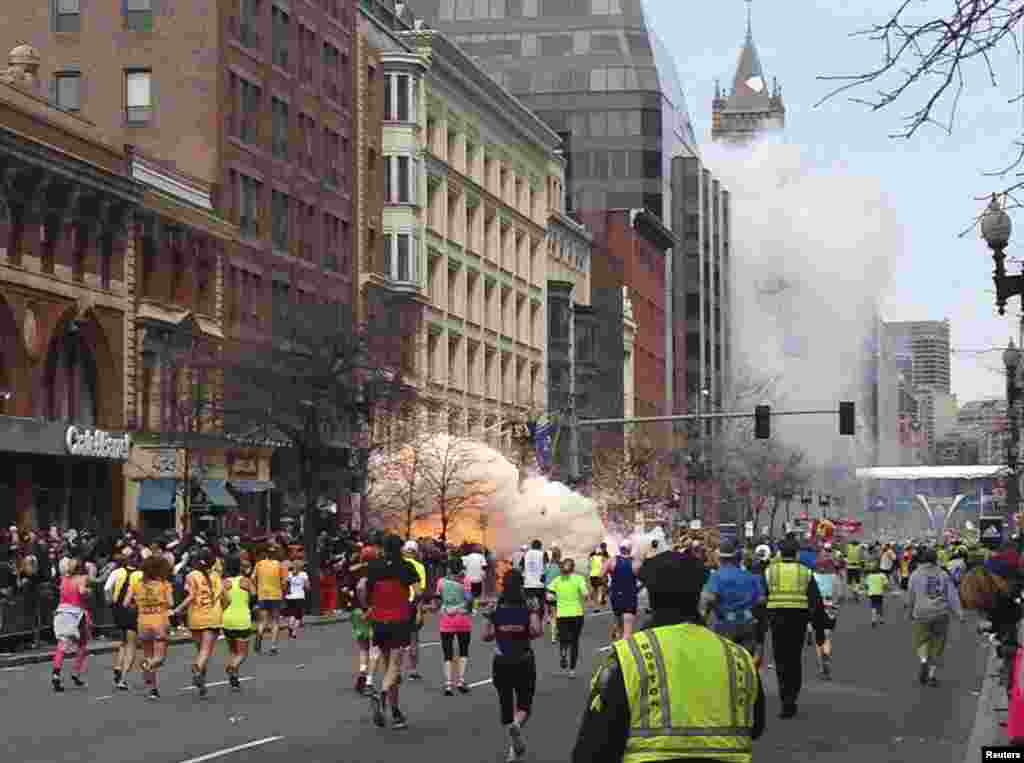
column 448, row 692
column 398, row 720
column 922, row 674
column 518, row 745
column 463, row 689
column 932, row 681
column 122, row 685
column 572, row 673
column 273, row 651
column 77, row 681
column 58, row 685
column 564, row 662
column 154, row 695
column 118, row 675
column 258, row 645
column 376, row 706
column 414, row 676
column 235, row 684
column 512, row 757
column 361, row 683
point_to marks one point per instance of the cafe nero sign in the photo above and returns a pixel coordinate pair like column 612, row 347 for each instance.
column 95, row 443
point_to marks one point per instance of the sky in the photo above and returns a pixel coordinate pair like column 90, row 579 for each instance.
column 932, row 180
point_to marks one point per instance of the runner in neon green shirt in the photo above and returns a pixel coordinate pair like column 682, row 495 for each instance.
column 877, row 584
column 570, row 594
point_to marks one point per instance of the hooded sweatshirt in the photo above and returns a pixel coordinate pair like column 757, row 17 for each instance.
column 932, row 594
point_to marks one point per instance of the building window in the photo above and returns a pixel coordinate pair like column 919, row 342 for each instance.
column 249, row 197
column 332, row 72
column 400, row 257
column 332, row 233
column 67, row 16
column 279, row 116
column 251, row 96
column 307, row 133
column 279, row 40
column 279, row 220
column 307, row 54
column 399, row 98
column 69, row 91
column 138, row 96
column 605, row 7
column 400, row 180
column 138, row 15
column 250, row 15
column 332, row 148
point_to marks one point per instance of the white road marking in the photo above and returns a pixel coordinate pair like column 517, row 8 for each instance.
column 100, row 699
column 12, row 670
column 217, row 683
column 604, row 648
column 431, row 643
column 480, row 683
column 229, row 750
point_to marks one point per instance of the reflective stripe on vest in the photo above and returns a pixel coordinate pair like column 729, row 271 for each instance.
column 787, row 586
column 691, row 695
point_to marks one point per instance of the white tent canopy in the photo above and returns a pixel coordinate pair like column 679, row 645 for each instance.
column 975, row 472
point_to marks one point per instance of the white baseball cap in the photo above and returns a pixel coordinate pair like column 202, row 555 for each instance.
column 828, row 546
column 411, row 547
column 763, row 552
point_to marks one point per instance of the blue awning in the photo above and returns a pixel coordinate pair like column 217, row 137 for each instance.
column 217, row 494
column 158, row 495
column 251, row 486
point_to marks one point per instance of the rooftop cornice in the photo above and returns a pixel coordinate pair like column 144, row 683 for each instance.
column 457, row 66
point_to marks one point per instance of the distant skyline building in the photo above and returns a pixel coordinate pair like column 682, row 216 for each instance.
column 924, row 350
column 749, row 109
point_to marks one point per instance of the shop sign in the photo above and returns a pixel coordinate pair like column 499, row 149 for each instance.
column 95, row 443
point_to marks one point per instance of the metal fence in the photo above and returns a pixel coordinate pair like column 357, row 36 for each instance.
column 26, row 617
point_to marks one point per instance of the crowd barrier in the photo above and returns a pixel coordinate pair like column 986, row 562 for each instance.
column 26, row 617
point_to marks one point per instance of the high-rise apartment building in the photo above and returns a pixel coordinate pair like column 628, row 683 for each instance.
column 927, row 345
column 749, row 109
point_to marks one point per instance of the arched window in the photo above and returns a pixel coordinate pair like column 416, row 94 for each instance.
column 70, row 385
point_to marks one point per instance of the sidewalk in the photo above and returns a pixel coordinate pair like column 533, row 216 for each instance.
column 991, row 712
column 107, row 646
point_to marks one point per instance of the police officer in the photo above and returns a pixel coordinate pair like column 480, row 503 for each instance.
column 673, row 690
column 854, row 568
column 793, row 598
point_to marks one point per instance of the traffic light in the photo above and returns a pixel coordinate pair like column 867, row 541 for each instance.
column 763, row 422
column 847, row 418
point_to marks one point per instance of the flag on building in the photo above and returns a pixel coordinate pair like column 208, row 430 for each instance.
column 543, row 439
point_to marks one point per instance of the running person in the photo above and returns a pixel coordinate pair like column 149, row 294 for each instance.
column 622, row 572
column 235, row 599
column 269, row 574
column 570, row 592
column 152, row 596
column 826, row 577
column 551, row 571
column 385, row 592
column 72, row 623
column 298, row 588
column 533, row 573
column 733, row 594
column 598, row 582
column 409, row 552
column 877, row 583
column 125, row 618
column 475, row 565
column 203, row 589
column 454, row 600
column 854, row 568
column 362, row 632
column 512, row 624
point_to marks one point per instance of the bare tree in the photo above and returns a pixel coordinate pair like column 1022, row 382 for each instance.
column 934, row 56
column 315, row 382
column 397, row 484
column 447, row 480
column 625, row 480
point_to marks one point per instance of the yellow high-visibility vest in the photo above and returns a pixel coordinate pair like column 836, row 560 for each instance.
column 853, row 558
column 691, row 695
column 787, row 585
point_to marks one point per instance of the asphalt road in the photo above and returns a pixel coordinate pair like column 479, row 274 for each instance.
column 300, row 706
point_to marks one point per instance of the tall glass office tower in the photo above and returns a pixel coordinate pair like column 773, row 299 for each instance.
column 593, row 70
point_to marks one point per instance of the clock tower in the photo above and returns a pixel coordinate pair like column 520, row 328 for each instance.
column 750, row 109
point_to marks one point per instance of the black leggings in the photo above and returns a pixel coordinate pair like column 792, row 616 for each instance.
column 516, row 680
column 569, row 631
column 448, row 645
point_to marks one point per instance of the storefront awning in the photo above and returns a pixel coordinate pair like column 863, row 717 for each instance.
column 251, row 486
column 158, row 495
column 217, row 496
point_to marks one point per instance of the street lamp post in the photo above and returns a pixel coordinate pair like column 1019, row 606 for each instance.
column 1011, row 359
column 807, row 498
column 824, row 502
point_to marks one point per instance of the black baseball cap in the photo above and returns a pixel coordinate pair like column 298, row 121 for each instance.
column 672, row 576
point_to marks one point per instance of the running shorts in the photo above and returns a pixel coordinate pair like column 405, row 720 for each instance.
column 392, row 635
column 125, row 619
column 853, row 575
column 295, row 608
column 477, row 589
column 539, row 595
column 271, row 605
column 153, row 634
column 231, row 635
column 620, row 609
column 597, row 582
column 361, row 630
column 876, row 602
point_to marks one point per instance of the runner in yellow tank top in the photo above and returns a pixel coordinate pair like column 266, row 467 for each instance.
column 269, row 575
column 235, row 598
column 152, row 597
column 205, row 615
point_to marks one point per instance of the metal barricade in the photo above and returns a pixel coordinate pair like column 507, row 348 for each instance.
column 26, row 617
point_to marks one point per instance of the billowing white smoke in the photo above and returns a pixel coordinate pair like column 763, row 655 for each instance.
column 543, row 510
column 813, row 246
